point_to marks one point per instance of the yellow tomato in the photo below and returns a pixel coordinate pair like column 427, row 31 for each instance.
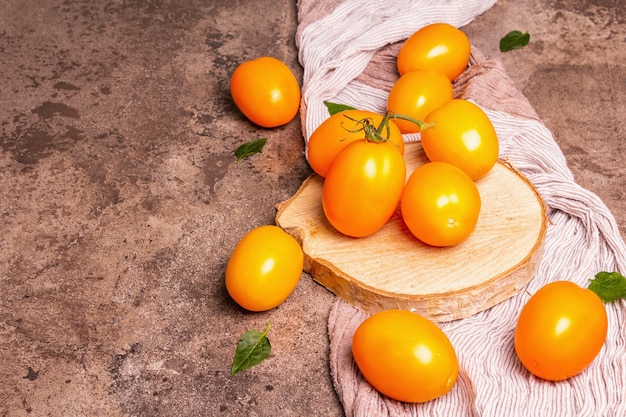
column 416, row 94
column 440, row 204
column 264, row 268
column 440, row 47
column 405, row 356
column 560, row 330
column 266, row 91
column 462, row 136
column 363, row 187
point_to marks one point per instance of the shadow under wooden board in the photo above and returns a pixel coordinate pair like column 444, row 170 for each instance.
column 392, row 269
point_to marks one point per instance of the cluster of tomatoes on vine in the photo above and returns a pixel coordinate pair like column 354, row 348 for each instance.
column 360, row 153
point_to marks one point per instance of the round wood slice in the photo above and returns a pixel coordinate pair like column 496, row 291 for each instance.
column 392, row 269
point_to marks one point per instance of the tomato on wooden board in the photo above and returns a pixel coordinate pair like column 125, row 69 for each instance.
column 560, row 330
column 363, row 186
column 264, row 268
column 266, row 91
column 405, row 356
column 341, row 129
column 462, row 136
column 440, row 204
column 439, row 46
column 416, row 94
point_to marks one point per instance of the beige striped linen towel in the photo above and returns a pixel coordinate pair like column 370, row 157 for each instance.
column 347, row 49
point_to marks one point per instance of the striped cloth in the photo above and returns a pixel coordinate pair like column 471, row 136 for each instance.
column 347, row 49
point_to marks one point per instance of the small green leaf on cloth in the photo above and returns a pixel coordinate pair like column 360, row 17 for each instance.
column 336, row 108
column 250, row 148
column 514, row 40
column 253, row 348
column 609, row 286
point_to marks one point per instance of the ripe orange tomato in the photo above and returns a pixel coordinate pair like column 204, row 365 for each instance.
column 340, row 129
column 405, row 356
column 363, row 187
column 560, row 330
column 264, row 268
column 462, row 136
column 440, row 204
column 266, row 91
column 416, row 94
column 440, row 47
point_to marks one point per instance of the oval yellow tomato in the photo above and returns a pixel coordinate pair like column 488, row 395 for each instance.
column 264, row 268
column 440, row 204
column 416, row 94
column 341, row 129
column 439, row 47
column 266, row 91
column 363, row 187
column 405, row 356
column 462, row 136
column 560, row 330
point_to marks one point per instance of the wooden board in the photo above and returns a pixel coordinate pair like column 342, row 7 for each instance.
column 392, row 269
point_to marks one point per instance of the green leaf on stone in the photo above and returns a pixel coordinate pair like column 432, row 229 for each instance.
column 514, row 40
column 253, row 348
column 250, row 148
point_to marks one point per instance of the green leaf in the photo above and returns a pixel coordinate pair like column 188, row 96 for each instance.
column 253, row 348
column 609, row 286
column 250, row 148
column 336, row 108
column 514, row 40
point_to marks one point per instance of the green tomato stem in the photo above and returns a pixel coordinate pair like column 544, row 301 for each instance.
column 422, row 125
column 375, row 133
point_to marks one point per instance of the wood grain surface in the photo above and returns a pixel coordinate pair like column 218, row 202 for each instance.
column 392, row 269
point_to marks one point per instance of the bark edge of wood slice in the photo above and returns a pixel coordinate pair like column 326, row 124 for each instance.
column 392, row 269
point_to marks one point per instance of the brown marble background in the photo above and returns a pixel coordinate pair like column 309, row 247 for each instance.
column 121, row 200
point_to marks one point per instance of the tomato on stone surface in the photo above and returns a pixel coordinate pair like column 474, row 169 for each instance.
column 439, row 46
column 266, row 91
column 416, row 94
column 440, row 204
column 341, row 129
column 363, row 186
column 405, row 356
column 462, row 136
column 264, row 268
column 560, row 330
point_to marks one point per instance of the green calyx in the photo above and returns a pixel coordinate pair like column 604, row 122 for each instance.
column 381, row 132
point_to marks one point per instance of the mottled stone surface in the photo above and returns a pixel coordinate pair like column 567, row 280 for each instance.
column 121, row 199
